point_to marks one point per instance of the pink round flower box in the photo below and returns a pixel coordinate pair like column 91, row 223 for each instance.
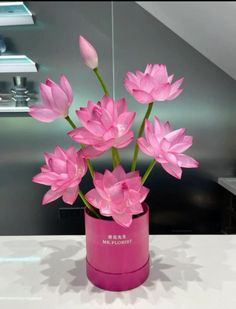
column 117, row 257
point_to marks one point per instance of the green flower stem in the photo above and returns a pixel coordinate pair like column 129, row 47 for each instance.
column 148, row 171
column 88, row 205
column 115, row 157
column 140, row 132
column 70, row 122
column 99, row 77
column 115, row 152
column 90, row 167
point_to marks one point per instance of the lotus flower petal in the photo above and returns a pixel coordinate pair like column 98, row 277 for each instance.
column 95, row 128
column 125, row 121
column 61, row 103
column 105, row 124
column 123, row 219
column 124, row 140
column 186, row 161
column 45, row 178
column 41, row 113
column 162, row 93
column 142, row 96
column 173, row 170
column 147, row 83
column 104, row 145
column 143, row 193
column 70, row 194
column 175, row 95
column 119, row 173
column 145, row 147
column 121, row 106
column 152, row 85
column 136, row 208
column 51, row 196
column 109, row 180
column 174, row 136
column 90, row 152
column 60, row 153
column 66, row 87
column 56, row 100
column 82, row 135
column 94, row 198
column 130, row 86
column 111, row 134
column 175, row 86
column 105, row 209
column 46, row 94
column 170, row 78
column 148, row 69
column 182, row 146
column 132, row 174
column 118, row 194
column 63, row 171
column 160, row 73
column 166, row 146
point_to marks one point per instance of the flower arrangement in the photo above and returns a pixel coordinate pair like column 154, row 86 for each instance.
column 106, row 125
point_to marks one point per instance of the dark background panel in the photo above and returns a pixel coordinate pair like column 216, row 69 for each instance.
column 196, row 204
column 206, row 108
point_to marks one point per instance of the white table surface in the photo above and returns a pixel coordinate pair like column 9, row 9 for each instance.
column 48, row 272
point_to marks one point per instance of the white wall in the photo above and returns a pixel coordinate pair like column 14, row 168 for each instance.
column 208, row 26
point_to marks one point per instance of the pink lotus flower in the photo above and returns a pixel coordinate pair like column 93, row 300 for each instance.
column 152, row 85
column 63, row 171
column 56, row 100
column 166, row 146
column 118, row 194
column 88, row 53
column 106, row 124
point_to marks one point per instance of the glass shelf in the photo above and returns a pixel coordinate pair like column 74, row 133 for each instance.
column 14, row 109
column 7, row 107
column 16, row 64
column 15, row 13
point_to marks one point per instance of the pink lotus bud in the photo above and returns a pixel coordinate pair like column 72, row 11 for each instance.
column 88, row 53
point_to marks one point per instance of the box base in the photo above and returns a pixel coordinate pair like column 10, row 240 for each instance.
column 117, row 281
